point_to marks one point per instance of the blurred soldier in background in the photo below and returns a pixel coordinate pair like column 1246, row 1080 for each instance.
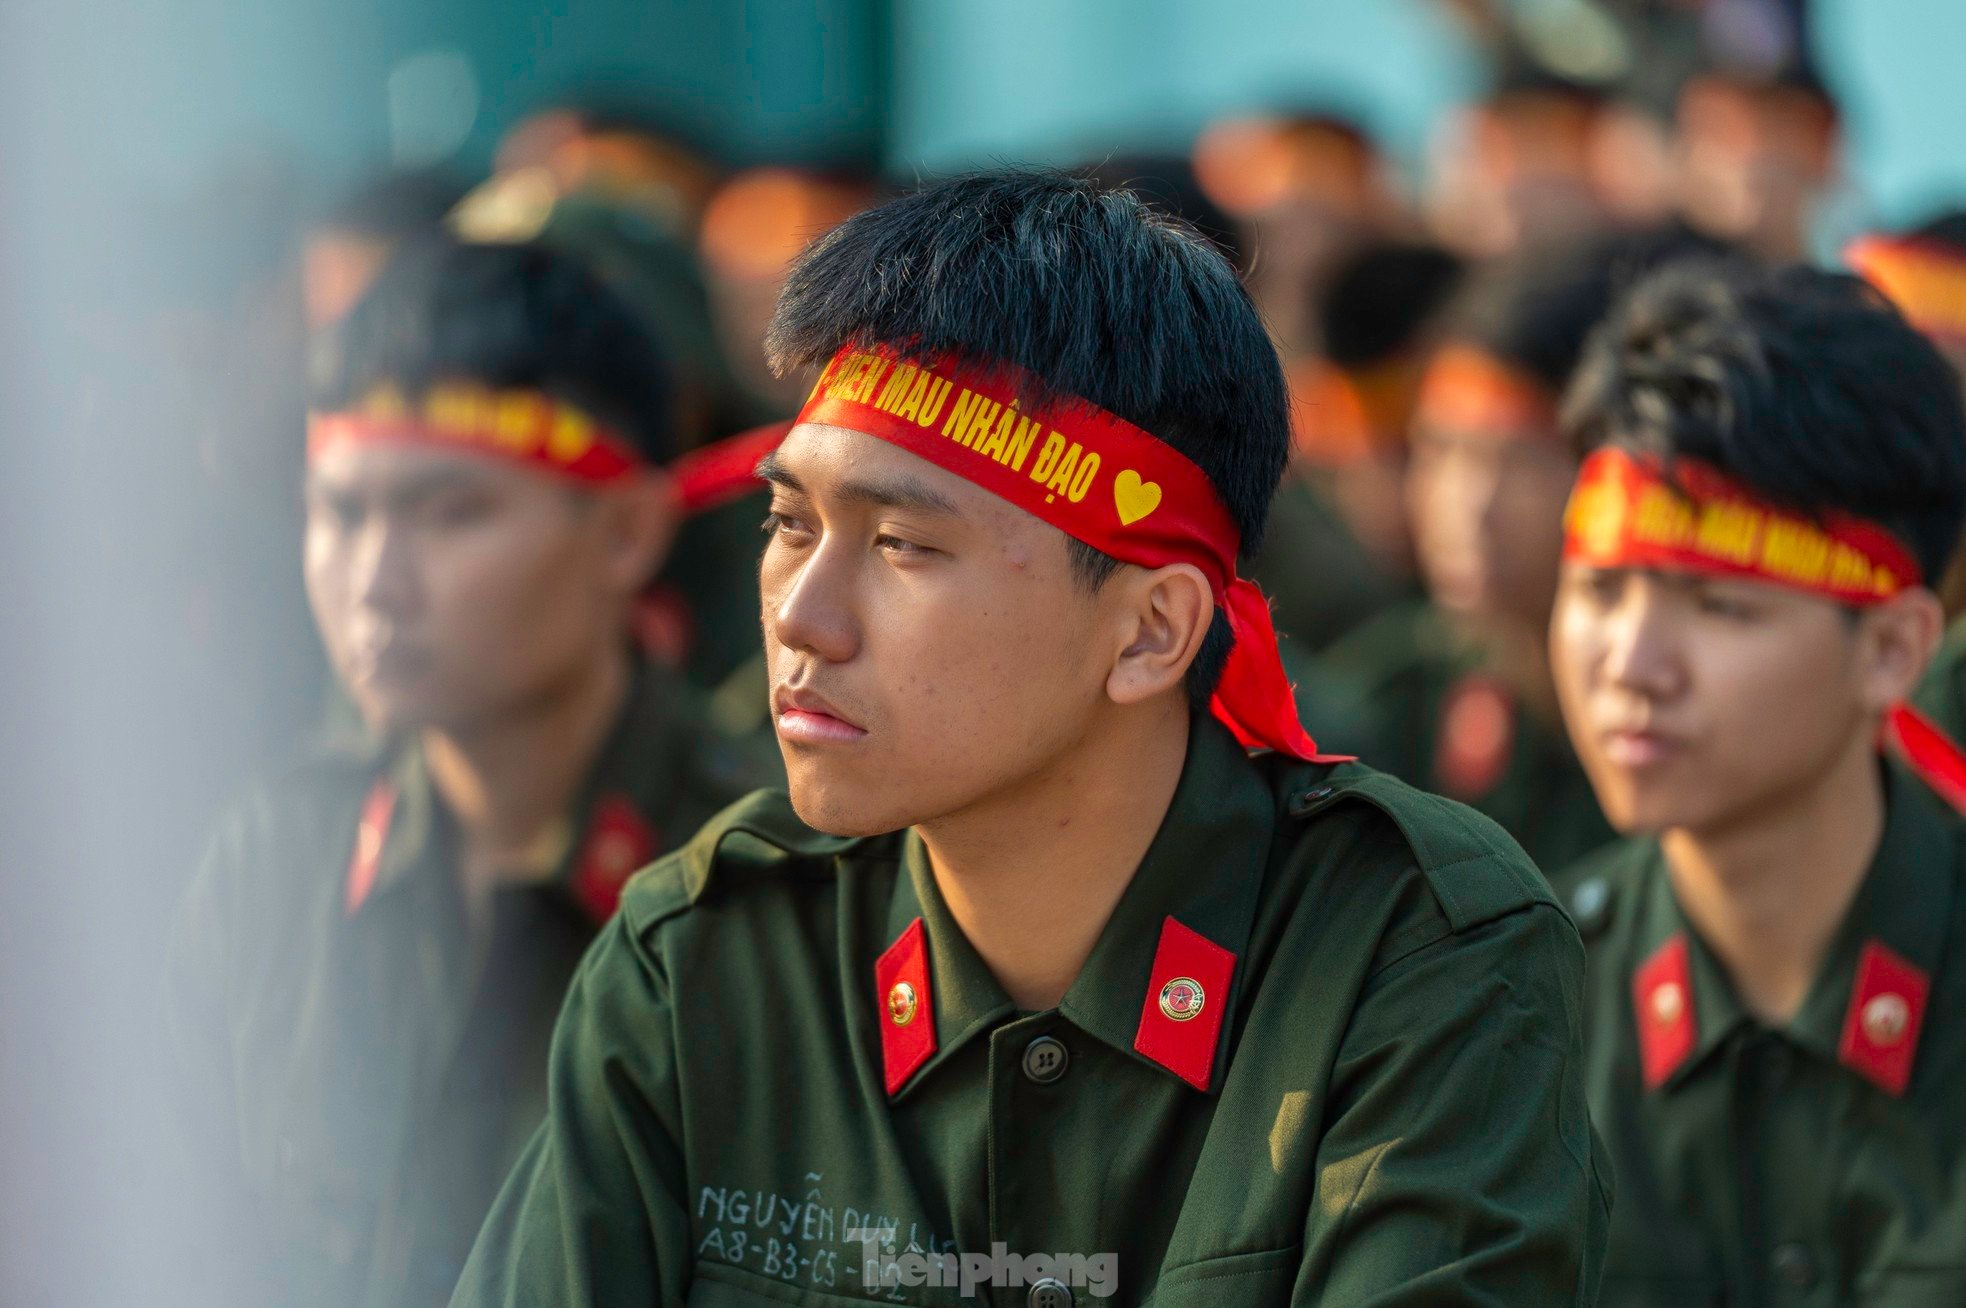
column 1755, row 154
column 1454, row 691
column 1516, row 169
column 1339, row 548
column 1777, row 1006
column 342, row 252
column 1304, row 189
column 754, row 228
column 367, row 967
column 1923, row 272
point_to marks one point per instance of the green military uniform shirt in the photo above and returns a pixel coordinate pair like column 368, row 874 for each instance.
column 364, row 1065
column 1321, row 582
column 1325, row 1051
column 1942, row 693
column 1421, row 705
column 1820, row 1163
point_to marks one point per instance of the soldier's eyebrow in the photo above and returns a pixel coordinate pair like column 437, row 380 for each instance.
column 771, row 470
column 902, row 492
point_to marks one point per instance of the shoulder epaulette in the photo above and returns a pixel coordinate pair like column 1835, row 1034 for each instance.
column 1477, row 872
column 759, row 833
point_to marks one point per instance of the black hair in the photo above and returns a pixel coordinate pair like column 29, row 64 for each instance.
column 1534, row 310
column 1167, row 182
column 502, row 315
column 1382, row 298
column 1947, row 229
column 1089, row 289
column 1805, row 385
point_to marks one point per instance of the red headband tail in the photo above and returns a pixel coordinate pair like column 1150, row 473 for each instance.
column 1254, row 699
column 1089, row 473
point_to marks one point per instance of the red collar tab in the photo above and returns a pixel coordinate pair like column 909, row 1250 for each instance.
column 618, row 841
column 1089, row 473
column 1187, row 998
column 1662, row 1003
column 1477, row 734
column 713, row 475
column 904, row 1007
column 1886, row 1013
column 371, row 833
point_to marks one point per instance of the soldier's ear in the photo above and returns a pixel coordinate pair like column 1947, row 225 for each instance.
column 1163, row 615
column 1895, row 642
column 640, row 516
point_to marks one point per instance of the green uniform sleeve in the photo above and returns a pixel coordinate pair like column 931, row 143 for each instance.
column 594, row 1214
column 1459, row 1166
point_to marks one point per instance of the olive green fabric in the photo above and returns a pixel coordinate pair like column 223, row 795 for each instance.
column 1320, row 580
column 361, row 1082
column 1390, row 683
column 1395, row 1115
column 1763, row 1171
column 1942, row 694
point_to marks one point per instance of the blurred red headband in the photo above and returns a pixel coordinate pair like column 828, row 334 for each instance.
column 1626, row 513
column 1087, row 472
column 523, row 425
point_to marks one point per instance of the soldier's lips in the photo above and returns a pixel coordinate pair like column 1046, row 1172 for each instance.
column 392, row 662
column 1637, row 751
column 808, row 727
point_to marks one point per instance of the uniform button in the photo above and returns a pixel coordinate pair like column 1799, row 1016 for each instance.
column 1302, row 804
column 1044, row 1062
column 1588, row 903
column 1794, row 1266
column 1049, row 1293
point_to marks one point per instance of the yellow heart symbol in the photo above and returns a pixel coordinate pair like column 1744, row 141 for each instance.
column 1134, row 498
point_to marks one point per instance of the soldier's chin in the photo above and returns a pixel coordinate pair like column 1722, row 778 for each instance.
column 838, row 809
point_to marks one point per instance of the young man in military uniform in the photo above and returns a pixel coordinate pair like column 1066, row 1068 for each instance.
column 1778, row 954
column 1040, row 974
column 1451, row 691
column 366, row 969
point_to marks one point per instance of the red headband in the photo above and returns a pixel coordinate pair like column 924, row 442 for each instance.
column 523, row 425
column 1092, row 475
column 1625, row 513
column 1468, row 391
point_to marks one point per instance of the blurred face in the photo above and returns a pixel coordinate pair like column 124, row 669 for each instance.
column 928, row 646
column 1487, row 515
column 450, row 588
column 1694, row 701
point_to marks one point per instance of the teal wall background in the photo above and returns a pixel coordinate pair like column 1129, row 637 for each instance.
column 162, row 90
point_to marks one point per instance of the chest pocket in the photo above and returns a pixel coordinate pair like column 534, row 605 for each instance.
column 1265, row 1277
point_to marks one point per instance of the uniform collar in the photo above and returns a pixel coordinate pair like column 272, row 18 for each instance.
column 404, row 829
column 1866, row 1007
column 1181, row 927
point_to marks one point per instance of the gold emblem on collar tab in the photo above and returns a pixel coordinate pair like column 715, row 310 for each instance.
column 1182, row 998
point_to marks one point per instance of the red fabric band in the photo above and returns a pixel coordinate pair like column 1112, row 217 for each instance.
column 1627, row 513
column 1092, row 475
column 525, row 426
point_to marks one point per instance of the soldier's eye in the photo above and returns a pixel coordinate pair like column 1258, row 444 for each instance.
column 778, row 524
